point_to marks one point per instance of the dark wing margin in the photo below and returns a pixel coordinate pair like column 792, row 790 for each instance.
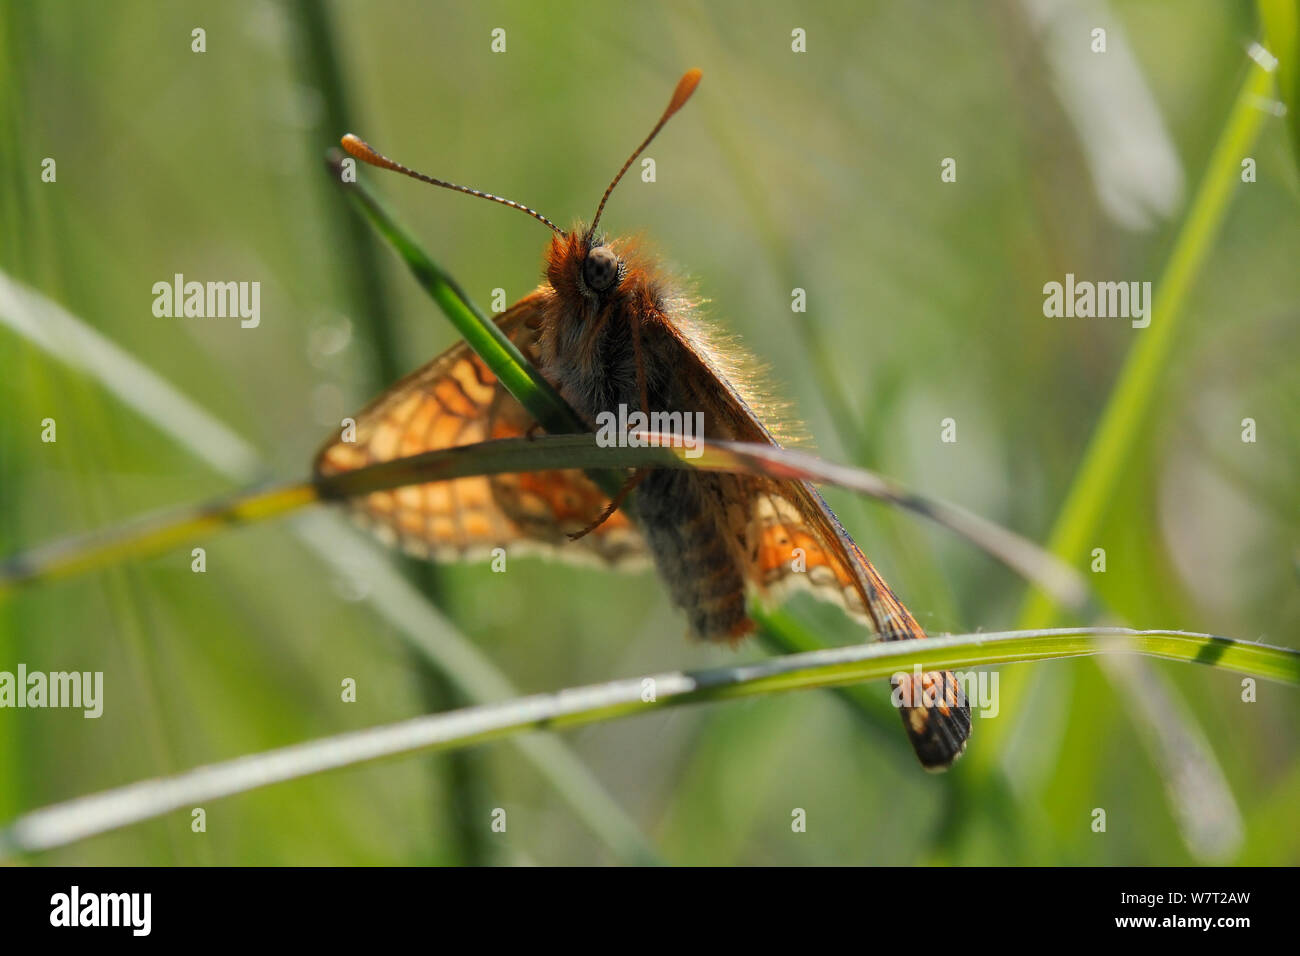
column 788, row 514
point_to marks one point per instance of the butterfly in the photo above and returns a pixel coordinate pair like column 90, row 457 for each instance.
column 608, row 328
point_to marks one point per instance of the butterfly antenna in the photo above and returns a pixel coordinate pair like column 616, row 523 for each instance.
column 685, row 87
column 358, row 147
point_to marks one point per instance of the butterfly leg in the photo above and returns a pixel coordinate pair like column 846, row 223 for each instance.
column 633, row 480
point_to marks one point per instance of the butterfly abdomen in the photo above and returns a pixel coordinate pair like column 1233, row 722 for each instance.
column 592, row 359
column 680, row 518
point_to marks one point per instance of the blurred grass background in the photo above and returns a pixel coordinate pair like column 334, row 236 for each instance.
column 816, row 170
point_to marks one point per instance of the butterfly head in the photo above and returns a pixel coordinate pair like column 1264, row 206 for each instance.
column 586, row 269
column 601, row 269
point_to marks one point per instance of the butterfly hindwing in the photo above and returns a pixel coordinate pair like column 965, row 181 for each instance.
column 791, row 539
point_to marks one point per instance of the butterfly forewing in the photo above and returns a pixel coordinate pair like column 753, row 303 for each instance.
column 452, row 401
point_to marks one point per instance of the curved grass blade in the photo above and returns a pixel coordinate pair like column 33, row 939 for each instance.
column 153, row 534
column 77, row 819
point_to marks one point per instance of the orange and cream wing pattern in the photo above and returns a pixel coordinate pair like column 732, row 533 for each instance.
column 455, row 400
column 792, row 539
column 795, row 540
column 787, row 551
column 789, row 535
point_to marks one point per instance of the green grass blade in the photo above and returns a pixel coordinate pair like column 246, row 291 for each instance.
column 500, row 355
column 838, row 667
column 1134, row 394
column 153, row 534
column 1281, row 22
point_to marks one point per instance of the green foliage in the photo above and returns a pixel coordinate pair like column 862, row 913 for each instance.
column 819, row 171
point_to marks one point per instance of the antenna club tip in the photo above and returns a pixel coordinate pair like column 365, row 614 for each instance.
column 356, row 146
column 685, row 87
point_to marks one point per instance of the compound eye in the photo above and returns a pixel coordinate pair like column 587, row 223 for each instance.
column 600, row 270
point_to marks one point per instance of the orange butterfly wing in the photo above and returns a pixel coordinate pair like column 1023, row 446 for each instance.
column 455, row 400
column 771, row 518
